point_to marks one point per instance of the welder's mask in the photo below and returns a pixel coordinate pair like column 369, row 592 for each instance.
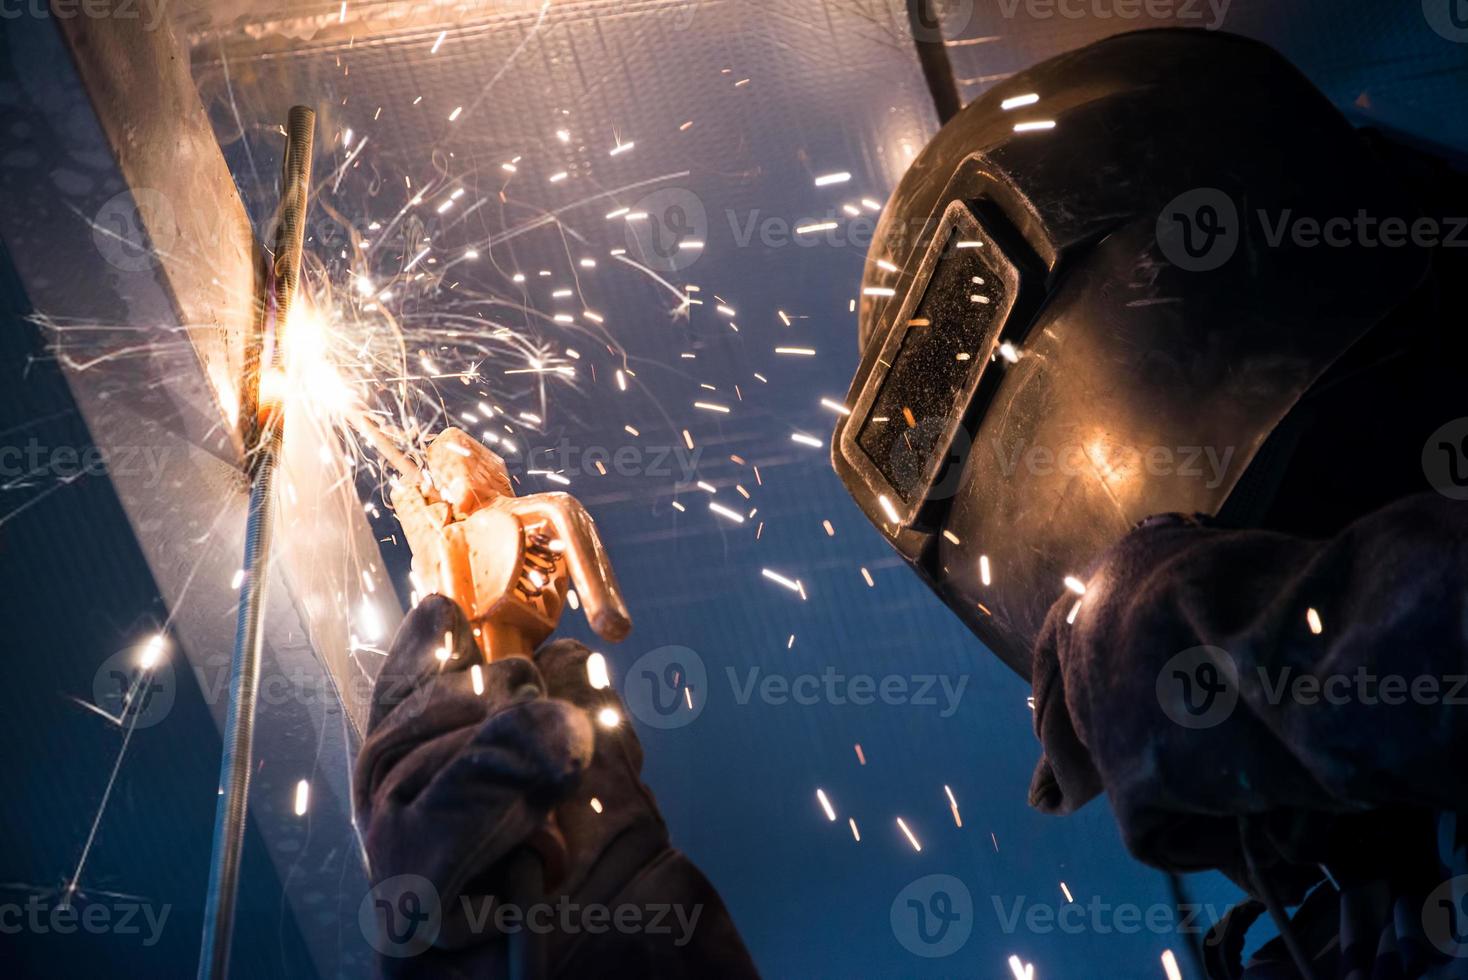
column 1104, row 291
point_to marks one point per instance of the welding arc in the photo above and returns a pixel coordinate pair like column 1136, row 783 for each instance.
column 263, row 457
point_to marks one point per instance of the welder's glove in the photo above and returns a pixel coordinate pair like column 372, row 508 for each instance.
column 453, row 788
column 1178, row 691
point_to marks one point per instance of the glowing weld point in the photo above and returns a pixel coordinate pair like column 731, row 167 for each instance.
column 303, row 797
column 1019, row 101
column 910, row 838
column 596, row 671
column 889, row 510
column 826, row 805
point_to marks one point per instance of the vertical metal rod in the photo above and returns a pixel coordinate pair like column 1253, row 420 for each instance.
column 266, row 359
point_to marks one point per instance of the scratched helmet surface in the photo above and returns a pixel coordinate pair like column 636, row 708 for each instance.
column 1106, row 306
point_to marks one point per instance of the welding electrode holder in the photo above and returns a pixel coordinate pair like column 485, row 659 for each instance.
column 264, row 420
column 508, row 561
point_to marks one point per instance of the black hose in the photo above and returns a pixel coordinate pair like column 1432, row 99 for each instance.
column 927, row 36
column 262, row 456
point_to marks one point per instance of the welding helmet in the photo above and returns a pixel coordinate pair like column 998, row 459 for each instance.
column 1104, row 291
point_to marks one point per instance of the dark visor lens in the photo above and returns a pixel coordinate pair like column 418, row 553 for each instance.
column 945, row 341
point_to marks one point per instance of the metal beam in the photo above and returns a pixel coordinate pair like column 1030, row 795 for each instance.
column 133, row 245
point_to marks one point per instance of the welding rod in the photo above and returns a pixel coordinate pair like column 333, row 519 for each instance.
column 266, row 356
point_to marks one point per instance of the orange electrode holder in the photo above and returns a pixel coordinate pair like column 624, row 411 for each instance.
column 508, row 561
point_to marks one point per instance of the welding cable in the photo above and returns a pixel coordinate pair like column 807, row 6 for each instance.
column 1266, row 894
column 1181, row 901
column 262, row 460
column 927, row 36
column 525, row 887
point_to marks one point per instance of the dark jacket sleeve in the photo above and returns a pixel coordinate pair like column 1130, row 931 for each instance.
column 455, row 787
column 1212, row 674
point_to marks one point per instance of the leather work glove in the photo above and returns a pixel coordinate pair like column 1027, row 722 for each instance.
column 498, row 791
column 455, row 788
